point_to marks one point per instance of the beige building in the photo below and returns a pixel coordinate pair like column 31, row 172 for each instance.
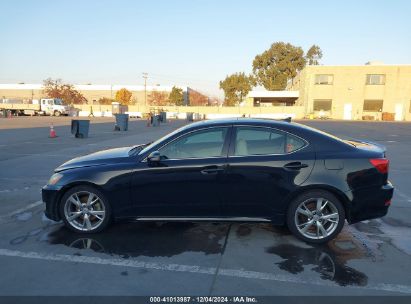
column 373, row 91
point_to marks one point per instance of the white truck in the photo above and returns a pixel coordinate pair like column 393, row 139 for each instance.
column 44, row 106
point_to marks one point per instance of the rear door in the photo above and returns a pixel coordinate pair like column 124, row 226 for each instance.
column 264, row 166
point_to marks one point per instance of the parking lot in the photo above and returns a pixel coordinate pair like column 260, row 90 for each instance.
column 41, row 257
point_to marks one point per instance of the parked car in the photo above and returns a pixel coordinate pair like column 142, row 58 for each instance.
column 227, row 170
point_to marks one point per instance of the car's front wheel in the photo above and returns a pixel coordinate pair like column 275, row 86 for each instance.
column 85, row 209
column 316, row 216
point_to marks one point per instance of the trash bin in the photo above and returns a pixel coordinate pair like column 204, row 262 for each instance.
column 190, row 116
column 155, row 120
column 163, row 116
column 79, row 128
column 121, row 122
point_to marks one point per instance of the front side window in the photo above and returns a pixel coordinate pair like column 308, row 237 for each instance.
column 375, row 79
column 324, row 79
column 264, row 141
column 199, row 144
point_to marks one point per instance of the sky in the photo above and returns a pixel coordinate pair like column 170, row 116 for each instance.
column 188, row 42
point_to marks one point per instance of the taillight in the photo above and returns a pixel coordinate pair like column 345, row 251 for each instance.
column 381, row 164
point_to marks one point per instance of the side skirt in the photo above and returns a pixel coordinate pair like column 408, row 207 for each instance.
column 202, row 219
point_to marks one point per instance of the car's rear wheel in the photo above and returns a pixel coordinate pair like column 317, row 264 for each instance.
column 85, row 209
column 316, row 216
column 57, row 113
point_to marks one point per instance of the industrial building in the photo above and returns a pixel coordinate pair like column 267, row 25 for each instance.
column 374, row 91
column 91, row 92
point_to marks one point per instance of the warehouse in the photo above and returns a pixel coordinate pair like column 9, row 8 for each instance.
column 374, row 91
column 26, row 92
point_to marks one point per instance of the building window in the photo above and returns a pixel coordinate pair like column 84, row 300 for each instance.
column 375, row 79
column 322, row 104
column 373, row 105
column 324, row 79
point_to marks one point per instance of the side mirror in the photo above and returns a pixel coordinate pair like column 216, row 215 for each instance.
column 154, row 157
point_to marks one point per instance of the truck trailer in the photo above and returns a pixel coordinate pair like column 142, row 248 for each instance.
column 44, row 106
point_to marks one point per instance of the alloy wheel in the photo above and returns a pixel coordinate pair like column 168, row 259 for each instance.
column 316, row 218
column 84, row 211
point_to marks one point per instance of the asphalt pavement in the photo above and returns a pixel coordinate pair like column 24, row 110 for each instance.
column 41, row 257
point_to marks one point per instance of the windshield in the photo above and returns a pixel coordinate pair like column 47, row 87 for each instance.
column 58, row 102
column 154, row 143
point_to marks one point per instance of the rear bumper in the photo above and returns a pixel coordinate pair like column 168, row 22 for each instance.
column 50, row 196
column 370, row 202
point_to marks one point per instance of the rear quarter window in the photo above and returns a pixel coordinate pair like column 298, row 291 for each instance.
column 294, row 143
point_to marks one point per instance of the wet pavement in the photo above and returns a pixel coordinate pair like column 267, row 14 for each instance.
column 42, row 257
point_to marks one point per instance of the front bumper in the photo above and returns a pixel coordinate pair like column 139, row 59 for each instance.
column 370, row 202
column 51, row 197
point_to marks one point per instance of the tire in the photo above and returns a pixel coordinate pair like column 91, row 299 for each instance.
column 57, row 113
column 305, row 220
column 85, row 209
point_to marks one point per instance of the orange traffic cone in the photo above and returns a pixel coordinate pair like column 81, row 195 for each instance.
column 52, row 132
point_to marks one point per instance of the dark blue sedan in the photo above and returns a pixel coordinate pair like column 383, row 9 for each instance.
column 227, row 170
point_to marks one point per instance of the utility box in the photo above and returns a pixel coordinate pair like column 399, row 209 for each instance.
column 80, row 128
column 115, row 108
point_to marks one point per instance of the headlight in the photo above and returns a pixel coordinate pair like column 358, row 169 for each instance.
column 55, row 178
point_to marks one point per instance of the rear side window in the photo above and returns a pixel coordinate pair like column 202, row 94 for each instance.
column 264, row 141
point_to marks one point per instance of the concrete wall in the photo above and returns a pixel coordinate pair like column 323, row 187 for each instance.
column 91, row 92
column 210, row 112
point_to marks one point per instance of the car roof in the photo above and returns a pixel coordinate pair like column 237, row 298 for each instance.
column 306, row 132
column 239, row 121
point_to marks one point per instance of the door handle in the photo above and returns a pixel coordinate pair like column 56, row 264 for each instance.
column 295, row 166
column 211, row 170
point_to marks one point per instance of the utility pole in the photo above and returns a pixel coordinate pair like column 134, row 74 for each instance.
column 145, row 75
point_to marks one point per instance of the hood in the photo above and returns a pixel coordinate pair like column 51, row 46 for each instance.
column 104, row 157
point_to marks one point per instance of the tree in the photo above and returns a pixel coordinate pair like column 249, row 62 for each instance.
column 123, row 96
column 197, row 99
column 176, row 96
column 280, row 63
column 236, row 87
column 105, row 101
column 158, row 98
column 57, row 89
column 314, row 54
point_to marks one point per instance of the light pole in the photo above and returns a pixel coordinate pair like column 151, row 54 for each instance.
column 145, row 75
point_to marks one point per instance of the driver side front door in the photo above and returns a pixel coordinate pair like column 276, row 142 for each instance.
column 187, row 182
